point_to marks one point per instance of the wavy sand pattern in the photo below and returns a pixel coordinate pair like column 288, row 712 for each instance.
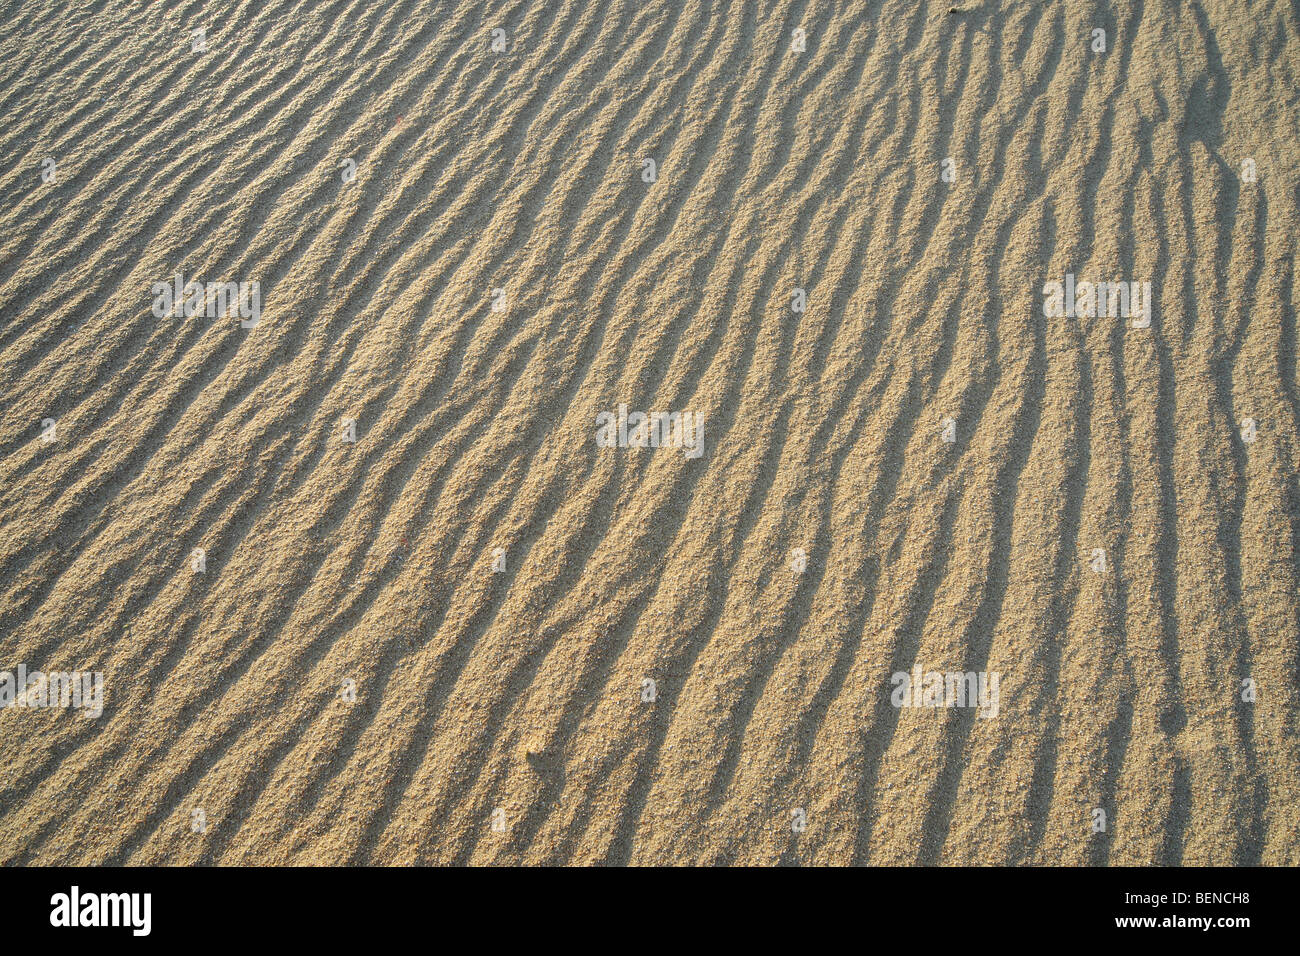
column 329, row 561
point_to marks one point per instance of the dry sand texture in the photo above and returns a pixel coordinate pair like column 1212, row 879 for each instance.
column 499, row 714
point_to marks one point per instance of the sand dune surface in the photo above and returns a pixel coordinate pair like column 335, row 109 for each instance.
column 635, row 432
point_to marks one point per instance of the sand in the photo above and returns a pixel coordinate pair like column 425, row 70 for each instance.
column 908, row 467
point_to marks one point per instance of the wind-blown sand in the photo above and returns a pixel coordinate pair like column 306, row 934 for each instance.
column 502, row 715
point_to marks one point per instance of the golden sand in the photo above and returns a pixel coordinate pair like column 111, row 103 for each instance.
column 673, row 658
